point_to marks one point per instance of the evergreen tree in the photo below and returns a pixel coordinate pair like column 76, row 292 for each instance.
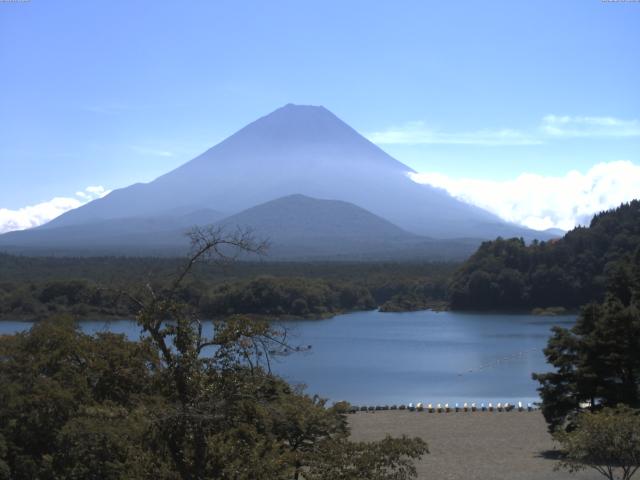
column 597, row 361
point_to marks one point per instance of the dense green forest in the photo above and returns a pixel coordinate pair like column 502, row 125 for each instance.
column 32, row 288
column 569, row 272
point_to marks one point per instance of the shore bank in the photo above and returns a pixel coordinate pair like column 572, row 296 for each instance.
column 472, row 446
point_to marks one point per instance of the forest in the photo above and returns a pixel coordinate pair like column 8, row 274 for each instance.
column 504, row 274
column 568, row 272
column 36, row 287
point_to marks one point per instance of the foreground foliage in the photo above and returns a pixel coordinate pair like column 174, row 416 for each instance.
column 188, row 401
column 607, row 441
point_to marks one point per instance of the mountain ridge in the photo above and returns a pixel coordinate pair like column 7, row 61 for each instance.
column 293, row 150
column 297, row 227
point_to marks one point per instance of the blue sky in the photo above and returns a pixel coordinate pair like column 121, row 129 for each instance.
column 110, row 92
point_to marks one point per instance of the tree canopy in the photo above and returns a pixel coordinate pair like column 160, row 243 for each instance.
column 568, row 272
column 597, row 361
column 33, row 288
column 607, row 441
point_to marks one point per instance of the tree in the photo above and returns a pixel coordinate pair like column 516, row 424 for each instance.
column 607, row 441
column 63, row 395
column 228, row 416
column 391, row 458
column 597, row 361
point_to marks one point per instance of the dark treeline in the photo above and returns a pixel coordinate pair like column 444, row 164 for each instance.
column 569, row 272
column 286, row 296
column 32, row 288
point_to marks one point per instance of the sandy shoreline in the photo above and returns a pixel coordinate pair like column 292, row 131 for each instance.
column 472, row 446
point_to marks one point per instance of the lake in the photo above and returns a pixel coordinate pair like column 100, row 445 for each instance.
column 377, row 358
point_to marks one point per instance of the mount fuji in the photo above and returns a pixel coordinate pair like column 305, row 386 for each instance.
column 301, row 153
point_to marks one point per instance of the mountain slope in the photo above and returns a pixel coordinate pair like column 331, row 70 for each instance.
column 307, row 150
column 139, row 235
column 299, row 216
column 302, row 227
column 297, row 228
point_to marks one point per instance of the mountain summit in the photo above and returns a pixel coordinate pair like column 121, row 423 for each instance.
column 295, row 149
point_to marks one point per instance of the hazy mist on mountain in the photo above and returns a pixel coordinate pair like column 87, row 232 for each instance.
column 294, row 150
column 302, row 227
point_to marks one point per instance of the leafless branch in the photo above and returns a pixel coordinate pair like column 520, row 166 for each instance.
column 215, row 242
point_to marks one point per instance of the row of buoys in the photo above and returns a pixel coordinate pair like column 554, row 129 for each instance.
column 446, row 408
column 499, row 361
column 299, row 348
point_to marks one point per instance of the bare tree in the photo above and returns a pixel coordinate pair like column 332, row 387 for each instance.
column 176, row 330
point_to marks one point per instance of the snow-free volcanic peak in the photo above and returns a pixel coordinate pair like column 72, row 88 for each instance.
column 296, row 149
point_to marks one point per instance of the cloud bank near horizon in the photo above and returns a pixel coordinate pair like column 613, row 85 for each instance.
column 418, row 133
column 39, row 214
column 540, row 202
column 551, row 127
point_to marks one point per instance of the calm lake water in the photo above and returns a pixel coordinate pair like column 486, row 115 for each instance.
column 378, row 358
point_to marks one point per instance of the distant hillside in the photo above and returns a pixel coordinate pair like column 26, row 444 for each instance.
column 304, row 228
column 301, row 217
column 297, row 228
column 300, row 226
column 158, row 235
column 296, row 149
column 569, row 272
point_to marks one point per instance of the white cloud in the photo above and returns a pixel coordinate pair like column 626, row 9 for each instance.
column 541, row 202
column 35, row 215
column 568, row 126
column 416, row 133
column 98, row 191
column 551, row 127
